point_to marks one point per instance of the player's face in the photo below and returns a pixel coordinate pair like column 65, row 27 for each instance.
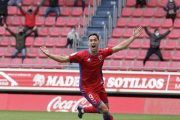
column 93, row 43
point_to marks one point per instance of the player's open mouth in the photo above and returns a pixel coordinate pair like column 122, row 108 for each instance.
column 93, row 46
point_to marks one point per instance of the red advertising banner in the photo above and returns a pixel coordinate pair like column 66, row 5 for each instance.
column 174, row 83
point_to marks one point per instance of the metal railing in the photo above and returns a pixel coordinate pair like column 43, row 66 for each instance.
column 94, row 7
column 89, row 14
column 115, row 15
column 121, row 4
column 105, row 35
column 85, row 25
column 110, row 25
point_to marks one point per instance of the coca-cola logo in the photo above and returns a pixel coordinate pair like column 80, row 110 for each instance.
column 59, row 105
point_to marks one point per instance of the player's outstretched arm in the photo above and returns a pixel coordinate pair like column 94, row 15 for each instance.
column 57, row 58
column 127, row 42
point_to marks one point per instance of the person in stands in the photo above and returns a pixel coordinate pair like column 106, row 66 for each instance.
column 171, row 8
column 1, row 17
column 155, row 39
column 12, row 2
column 3, row 9
column 83, row 3
column 30, row 17
column 20, row 41
column 140, row 2
column 73, row 36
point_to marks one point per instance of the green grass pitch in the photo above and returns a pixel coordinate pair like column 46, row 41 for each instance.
column 26, row 115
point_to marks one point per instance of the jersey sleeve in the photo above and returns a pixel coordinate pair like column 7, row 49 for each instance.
column 75, row 57
column 107, row 51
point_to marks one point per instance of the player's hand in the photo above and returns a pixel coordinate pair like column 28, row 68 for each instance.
column 34, row 28
column 5, row 25
column 1, row 16
column 20, row 4
column 170, row 29
column 38, row 3
column 45, row 51
column 137, row 32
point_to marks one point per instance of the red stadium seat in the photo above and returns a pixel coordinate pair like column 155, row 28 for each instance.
column 46, row 3
column 155, row 23
column 55, row 32
column 178, row 14
column 16, row 63
column 42, row 10
column 12, row 10
column 105, row 65
column 61, row 2
column 178, row 45
column 39, row 21
column 38, row 64
column 162, row 3
column 2, row 31
column 176, row 56
column 117, row 32
column 143, row 34
column 81, row 22
column 9, row 52
column 2, row 51
column 149, row 66
column 8, row 20
column 137, row 66
column 110, row 56
column 72, row 21
column 144, row 21
column 16, row 21
column 65, row 31
column 130, row 55
column 112, row 42
column 128, row 32
column 162, row 31
column 61, row 42
column 119, row 55
column 161, row 46
column 66, row 11
column 50, row 21
column 69, row 3
column 82, row 31
column 166, row 55
column 136, row 44
column 86, row 12
column 27, row 2
column 138, row 12
column 5, row 62
column 39, row 41
column 35, row 2
column 161, row 66
column 173, row 67
column 122, row 22
column 44, row 31
column 13, row 29
column 24, row 8
column 130, row 3
column 33, row 52
column 27, row 63
column 176, row 23
column 126, row 12
column 77, row 11
column 61, row 21
column 146, row 44
column 29, row 41
column 160, row 13
column 5, row 41
column 152, row 3
column 50, row 64
column 115, row 65
column 133, row 22
column 50, row 42
column 149, row 12
column 170, row 44
column 56, row 51
column 67, row 52
column 141, row 54
column 126, row 65
column 167, row 23
column 42, row 55
column 151, row 31
column 91, row 2
column 174, row 34
column 177, row 2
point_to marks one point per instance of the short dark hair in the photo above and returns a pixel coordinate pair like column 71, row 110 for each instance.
column 156, row 30
column 93, row 34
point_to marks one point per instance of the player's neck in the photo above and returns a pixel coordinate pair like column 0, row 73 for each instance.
column 93, row 53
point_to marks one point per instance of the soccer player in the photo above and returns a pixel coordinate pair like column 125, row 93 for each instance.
column 91, row 80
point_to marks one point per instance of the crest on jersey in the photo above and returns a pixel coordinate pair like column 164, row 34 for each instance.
column 89, row 60
column 100, row 57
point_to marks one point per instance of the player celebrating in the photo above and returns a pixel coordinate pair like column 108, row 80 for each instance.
column 91, row 80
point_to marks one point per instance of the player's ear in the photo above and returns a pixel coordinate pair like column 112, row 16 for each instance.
column 99, row 41
column 88, row 42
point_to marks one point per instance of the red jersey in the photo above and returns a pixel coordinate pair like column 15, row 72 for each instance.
column 90, row 68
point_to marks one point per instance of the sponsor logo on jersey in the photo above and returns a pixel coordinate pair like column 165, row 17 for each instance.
column 89, row 60
column 100, row 57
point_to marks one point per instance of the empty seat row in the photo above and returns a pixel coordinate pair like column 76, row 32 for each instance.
column 136, row 44
column 28, row 63
column 49, row 21
column 38, row 42
column 138, row 66
column 155, row 23
column 44, row 31
column 151, row 3
column 34, row 52
column 128, row 32
column 66, row 11
column 132, row 54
